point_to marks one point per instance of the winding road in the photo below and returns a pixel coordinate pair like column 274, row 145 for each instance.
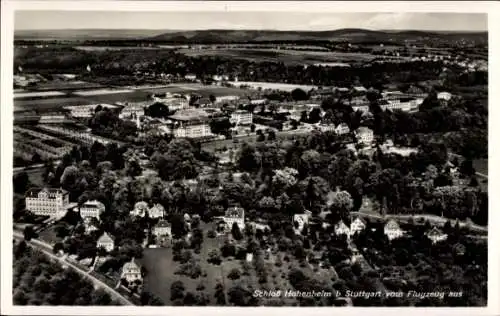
column 46, row 249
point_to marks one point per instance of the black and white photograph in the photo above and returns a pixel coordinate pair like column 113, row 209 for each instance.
column 247, row 158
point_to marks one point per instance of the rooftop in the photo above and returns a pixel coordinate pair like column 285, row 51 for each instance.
column 189, row 115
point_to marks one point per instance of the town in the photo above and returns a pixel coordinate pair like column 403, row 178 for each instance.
column 185, row 175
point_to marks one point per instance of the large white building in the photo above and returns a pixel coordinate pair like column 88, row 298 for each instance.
column 47, row 202
column 436, row 235
column 163, row 228
column 132, row 111
column 190, row 123
column 92, row 209
column 86, row 111
column 226, row 98
column 241, row 117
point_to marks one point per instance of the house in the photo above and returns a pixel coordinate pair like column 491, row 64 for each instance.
column 234, row 215
column 106, row 241
column 445, row 96
column 163, row 228
column 140, row 209
column 459, row 249
column 258, row 101
column 190, row 77
column 342, row 129
column 364, row 135
column 90, row 228
column 436, row 235
column 301, row 220
column 249, row 257
column 131, row 271
column 392, row 230
column 241, row 117
column 92, row 208
column 157, row 211
column 357, row 225
column 47, row 201
column 341, row 229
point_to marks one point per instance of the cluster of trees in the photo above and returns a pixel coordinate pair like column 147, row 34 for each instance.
column 37, row 281
column 414, row 263
column 106, row 122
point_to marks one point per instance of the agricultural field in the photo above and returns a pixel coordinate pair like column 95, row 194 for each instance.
column 291, row 57
column 47, row 105
column 272, row 85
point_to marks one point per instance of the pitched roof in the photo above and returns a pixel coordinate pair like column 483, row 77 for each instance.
column 341, row 225
column 392, row 224
column 235, row 212
column 434, row 232
column 105, row 238
column 163, row 223
column 33, row 192
column 93, row 203
column 131, row 265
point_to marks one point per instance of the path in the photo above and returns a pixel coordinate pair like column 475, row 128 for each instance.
column 42, row 246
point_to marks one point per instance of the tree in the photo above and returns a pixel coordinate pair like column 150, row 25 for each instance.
column 271, row 135
column 177, row 290
column 299, row 95
column 214, row 256
column 234, row 274
column 315, row 116
column 212, row 98
column 236, row 232
column 341, row 204
column 29, row 233
column 157, row 110
column 21, row 182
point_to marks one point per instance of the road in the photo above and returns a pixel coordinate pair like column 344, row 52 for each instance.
column 45, row 248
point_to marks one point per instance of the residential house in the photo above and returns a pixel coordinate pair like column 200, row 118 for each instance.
column 342, row 129
column 157, row 211
column 163, row 228
column 301, row 220
column 190, row 77
column 436, row 235
column 342, row 229
column 357, row 225
column 234, row 215
column 106, row 241
column 47, row 201
column 131, row 271
column 364, row 135
column 140, row 209
column 392, row 230
column 92, row 208
column 446, row 96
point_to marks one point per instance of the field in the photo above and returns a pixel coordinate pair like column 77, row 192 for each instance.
column 291, row 57
column 47, row 104
column 271, row 85
column 39, row 94
column 199, row 89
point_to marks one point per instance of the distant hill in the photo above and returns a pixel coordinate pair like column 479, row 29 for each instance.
column 228, row 36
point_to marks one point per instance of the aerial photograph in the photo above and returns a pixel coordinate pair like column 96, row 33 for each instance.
column 334, row 159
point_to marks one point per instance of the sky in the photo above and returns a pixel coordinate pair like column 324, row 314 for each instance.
column 39, row 20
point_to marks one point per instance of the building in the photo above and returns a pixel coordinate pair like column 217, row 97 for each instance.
column 191, row 123
column 106, row 241
column 301, row 220
column 365, row 107
column 241, row 117
column 234, row 215
column 92, row 209
column 446, row 96
column 364, row 135
column 140, row 209
column 163, row 228
column 392, row 230
column 86, row 111
column 226, row 98
column 53, row 118
column 459, row 249
column 357, row 225
column 47, row 202
column 190, row 77
column 258, row 101
column 341, row 229
column 157, row 211
column 131, row 271
column 436, row 235
column 132, row 111
column 342, row 129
